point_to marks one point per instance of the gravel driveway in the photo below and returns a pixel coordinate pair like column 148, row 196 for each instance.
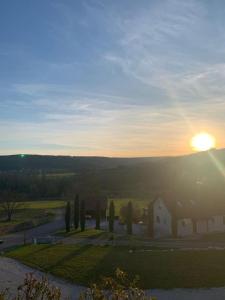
column 13, row 272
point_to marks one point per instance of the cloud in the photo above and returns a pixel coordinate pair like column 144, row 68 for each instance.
column 154, row 82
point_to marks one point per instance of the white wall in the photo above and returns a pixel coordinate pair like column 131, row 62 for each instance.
column 162, row 220
column 184, row 227
column 202, row 226
column 216, row 224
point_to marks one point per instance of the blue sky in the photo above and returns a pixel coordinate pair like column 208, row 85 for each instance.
column 113, row 78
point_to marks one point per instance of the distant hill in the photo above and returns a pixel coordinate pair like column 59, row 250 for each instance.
column 80, row 163
column 123, row 177
column 66, row 163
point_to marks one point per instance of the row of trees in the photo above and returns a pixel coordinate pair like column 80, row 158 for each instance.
column 79, row 216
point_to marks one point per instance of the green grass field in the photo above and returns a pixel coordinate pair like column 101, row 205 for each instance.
column 33, row 212
column 120, row 202
column 157, row 268
column 43, row 204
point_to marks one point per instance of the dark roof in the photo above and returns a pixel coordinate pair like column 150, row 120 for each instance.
column 202, row 205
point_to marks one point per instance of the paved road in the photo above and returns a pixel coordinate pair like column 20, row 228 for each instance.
column 167, row 244
column 17, row 238
column 49, row 228
column 13, row 272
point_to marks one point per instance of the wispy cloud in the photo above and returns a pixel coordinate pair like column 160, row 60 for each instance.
column 134, row 81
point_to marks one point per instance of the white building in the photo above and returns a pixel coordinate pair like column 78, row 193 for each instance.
column 188, row 218
column 162, row 219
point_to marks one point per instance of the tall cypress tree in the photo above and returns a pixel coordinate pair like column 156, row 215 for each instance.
column 111, row 216
column 76, row 212
column 67, row 216
column 82, row 215
column 150, row 221
column 98, row 214
column 129, row 218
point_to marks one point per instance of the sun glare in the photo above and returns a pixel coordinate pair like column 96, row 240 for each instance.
column 203, row 142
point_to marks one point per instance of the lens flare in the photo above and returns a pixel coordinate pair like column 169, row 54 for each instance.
column 203, row 142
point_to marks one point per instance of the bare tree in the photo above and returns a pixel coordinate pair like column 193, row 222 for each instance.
column 9, row 203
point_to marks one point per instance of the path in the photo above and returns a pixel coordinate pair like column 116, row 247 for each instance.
column 13, row 272
column 17, row 238
column 165, row 243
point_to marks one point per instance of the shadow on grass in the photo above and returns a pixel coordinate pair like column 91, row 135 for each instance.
column 71, row 255
column 78, row 234
column 40, row 249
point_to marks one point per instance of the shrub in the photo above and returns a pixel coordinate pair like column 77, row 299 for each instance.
column 118, row 288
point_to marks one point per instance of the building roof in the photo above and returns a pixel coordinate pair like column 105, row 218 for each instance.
column 201, row 205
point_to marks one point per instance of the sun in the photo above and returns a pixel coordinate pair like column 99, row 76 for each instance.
column 203, row 141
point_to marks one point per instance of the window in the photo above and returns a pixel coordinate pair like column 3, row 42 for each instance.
column 157, row 219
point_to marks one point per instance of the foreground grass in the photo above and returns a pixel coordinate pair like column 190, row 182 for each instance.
column 157, row 269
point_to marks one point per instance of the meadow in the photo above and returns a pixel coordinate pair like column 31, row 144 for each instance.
column 156, row 268
column 30, row 213
column 121, row 202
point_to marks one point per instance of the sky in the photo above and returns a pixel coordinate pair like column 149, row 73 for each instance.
column 110, row 78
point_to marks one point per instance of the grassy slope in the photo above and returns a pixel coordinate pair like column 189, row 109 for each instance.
column 157, row 269
column 36, row 212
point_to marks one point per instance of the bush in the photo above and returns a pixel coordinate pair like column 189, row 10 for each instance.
column 118, row 288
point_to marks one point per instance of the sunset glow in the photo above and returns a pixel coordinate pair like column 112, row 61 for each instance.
column 203, row 142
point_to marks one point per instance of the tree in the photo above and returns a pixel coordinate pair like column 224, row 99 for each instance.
column 129, row 217
column 150, row 229
column 68, row 216
column 111, row 216
column 98, row 214
column 174, row 219
column 194, row 222
column 136, row 213
column 82, row 215
column 76, row 212
column 9, row 203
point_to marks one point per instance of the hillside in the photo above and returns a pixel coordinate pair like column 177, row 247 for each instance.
column 127, row 177
column 66, row 163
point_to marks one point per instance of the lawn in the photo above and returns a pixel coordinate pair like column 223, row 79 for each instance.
column 120, row 202
column 89, row 233
column 43, row 204
column 157, row 268
column 32, row 213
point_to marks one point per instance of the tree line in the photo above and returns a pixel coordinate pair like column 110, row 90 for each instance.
column 75, row 216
